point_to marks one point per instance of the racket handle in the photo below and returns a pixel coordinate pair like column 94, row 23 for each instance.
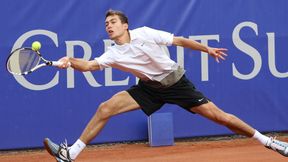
column 56, row 63
column 59, row 63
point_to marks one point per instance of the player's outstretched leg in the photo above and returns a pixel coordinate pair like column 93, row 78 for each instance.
column 60, row 152
column 119, row 103
column 279, row 146
column 212, row 112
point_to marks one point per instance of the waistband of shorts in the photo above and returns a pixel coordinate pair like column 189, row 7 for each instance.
column 171, row 79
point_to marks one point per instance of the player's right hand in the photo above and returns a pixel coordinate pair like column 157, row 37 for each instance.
column 65, row 63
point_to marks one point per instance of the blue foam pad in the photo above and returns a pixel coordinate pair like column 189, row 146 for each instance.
column 160, row 129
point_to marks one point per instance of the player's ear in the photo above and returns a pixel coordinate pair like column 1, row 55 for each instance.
column 126, row 26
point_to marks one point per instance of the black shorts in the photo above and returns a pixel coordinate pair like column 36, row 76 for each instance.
column 182, row 93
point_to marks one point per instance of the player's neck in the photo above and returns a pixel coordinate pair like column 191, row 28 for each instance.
column 125, row 38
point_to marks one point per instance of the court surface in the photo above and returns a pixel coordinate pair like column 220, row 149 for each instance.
column 232, row 150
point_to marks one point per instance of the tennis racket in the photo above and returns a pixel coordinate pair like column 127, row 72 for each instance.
column 23, row 61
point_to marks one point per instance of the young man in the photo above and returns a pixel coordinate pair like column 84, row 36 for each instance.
column 140, row 52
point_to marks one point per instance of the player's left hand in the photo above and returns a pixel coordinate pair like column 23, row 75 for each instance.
column 217, row 53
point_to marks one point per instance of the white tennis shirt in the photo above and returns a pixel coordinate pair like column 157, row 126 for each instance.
column 144, row 56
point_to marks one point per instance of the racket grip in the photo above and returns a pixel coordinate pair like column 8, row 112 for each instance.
column 59, row 63
column 56, row 63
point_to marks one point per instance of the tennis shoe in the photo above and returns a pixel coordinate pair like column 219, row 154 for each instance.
column 279, row 146
column 60, row 152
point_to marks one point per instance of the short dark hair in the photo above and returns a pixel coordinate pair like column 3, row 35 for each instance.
column 123, row 18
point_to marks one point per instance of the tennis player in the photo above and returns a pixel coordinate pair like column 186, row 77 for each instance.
column 140, row 52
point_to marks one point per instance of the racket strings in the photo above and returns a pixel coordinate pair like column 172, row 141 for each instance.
column 23, row 61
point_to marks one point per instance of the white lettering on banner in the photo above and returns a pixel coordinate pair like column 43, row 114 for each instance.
column 271, row 57
column 204, row 56
column 247, row 49
column 87, row 56
column 204, row 39
column 180, row 56
column 19, row 42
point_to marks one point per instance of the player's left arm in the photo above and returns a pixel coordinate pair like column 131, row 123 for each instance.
column 217, row 53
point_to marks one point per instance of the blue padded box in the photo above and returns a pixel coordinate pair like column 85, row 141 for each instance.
column 160, row 129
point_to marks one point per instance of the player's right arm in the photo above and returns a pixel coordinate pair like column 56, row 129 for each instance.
column 79, row 64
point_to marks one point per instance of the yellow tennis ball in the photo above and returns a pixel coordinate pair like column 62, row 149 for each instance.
column 36, row 46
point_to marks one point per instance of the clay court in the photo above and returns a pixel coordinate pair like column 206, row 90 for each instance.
column 222, row 150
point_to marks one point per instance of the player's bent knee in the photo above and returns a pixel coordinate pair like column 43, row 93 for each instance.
column 104, row 110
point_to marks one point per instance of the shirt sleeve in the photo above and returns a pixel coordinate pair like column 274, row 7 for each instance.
column 160, row 37
column 105, row 60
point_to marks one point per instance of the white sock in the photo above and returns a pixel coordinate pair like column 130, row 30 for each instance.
column 76, row 148
column 261, row 138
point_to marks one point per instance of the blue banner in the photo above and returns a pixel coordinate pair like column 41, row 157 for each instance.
column 251, row 83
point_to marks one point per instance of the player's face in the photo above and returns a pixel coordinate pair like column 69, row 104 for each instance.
column 114, row 27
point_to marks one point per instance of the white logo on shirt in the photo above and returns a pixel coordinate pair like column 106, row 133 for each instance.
column 200, row 99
